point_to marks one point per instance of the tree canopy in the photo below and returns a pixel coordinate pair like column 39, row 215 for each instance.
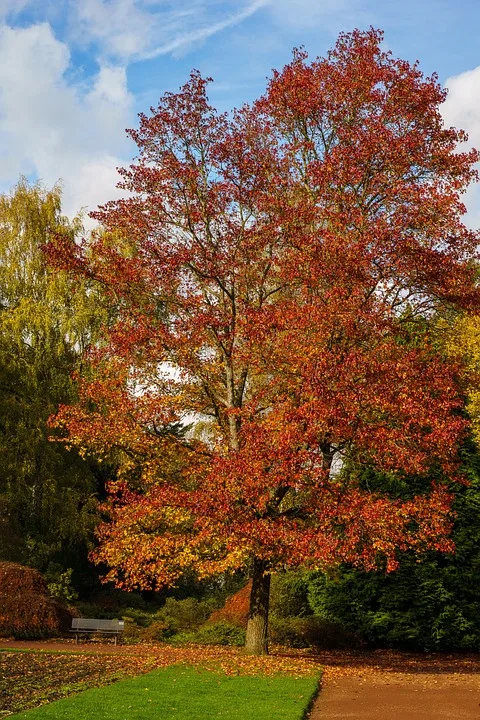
column 266, row 268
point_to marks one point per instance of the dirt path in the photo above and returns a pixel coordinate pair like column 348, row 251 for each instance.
column 394, row 686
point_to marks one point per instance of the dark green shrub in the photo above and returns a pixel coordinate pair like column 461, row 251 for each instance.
column 286, row 631
column 419, row 607
column 310, row 632
column 141, row 617
column 91, row 610
column 289, row 594
column 184, row 615
column 157, row 631
column 130, row 600
column 220, row 633
column 132, row 632
column 115, row 601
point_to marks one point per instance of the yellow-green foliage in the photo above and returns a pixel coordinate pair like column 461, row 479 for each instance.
column 463, row 341
column 40, row 307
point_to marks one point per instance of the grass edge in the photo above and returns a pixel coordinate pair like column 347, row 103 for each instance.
column 313, row 697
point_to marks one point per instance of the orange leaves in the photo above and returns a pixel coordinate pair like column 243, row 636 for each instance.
column 271, row 277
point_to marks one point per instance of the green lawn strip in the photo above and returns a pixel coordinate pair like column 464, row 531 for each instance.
column 180, row 692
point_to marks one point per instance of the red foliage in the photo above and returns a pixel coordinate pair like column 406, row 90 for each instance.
column 15, row 579
column 269, row 273
column 236, row 608
column 26, row 608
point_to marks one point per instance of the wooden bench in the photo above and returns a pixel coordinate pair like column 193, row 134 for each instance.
column 82, row 626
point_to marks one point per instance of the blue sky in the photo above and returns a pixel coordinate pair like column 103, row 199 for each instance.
column 74, row 73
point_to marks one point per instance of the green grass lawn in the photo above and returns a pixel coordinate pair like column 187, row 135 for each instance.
column 185, row 693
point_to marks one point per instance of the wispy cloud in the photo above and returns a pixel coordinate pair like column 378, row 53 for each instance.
column 188, row 38
column 130, row 30
column 8, row 7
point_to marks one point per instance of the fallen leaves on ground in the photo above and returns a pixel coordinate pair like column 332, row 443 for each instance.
column 389, row 666
column 48, row 672
column 32, row 678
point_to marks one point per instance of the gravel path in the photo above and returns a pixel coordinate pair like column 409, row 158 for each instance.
column 389, row 686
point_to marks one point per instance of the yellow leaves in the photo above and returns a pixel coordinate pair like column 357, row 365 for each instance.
column 463, row 343
column 44, row 311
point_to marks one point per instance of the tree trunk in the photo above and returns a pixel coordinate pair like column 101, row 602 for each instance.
column 256, row 641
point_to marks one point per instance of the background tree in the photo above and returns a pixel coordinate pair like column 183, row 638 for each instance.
column 262, row 268
column 432, row 605
column 48, row 502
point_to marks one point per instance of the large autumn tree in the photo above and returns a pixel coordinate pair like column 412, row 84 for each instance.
column 266, row 268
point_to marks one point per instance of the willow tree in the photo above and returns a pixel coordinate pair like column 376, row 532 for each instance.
column 262, row 265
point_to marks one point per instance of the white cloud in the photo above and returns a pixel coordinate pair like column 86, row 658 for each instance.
column 94, row 182
column 121, row 27
column 55, row 130
column 55, row 124
column 462, row 110
column 462, row 106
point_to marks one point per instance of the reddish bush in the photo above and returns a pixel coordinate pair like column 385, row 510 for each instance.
column 236, row 608
column 26, row 608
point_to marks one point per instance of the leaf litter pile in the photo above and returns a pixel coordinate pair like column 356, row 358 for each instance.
column 29, row 679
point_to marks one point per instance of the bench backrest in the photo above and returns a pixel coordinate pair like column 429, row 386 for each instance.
column 94, row 624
